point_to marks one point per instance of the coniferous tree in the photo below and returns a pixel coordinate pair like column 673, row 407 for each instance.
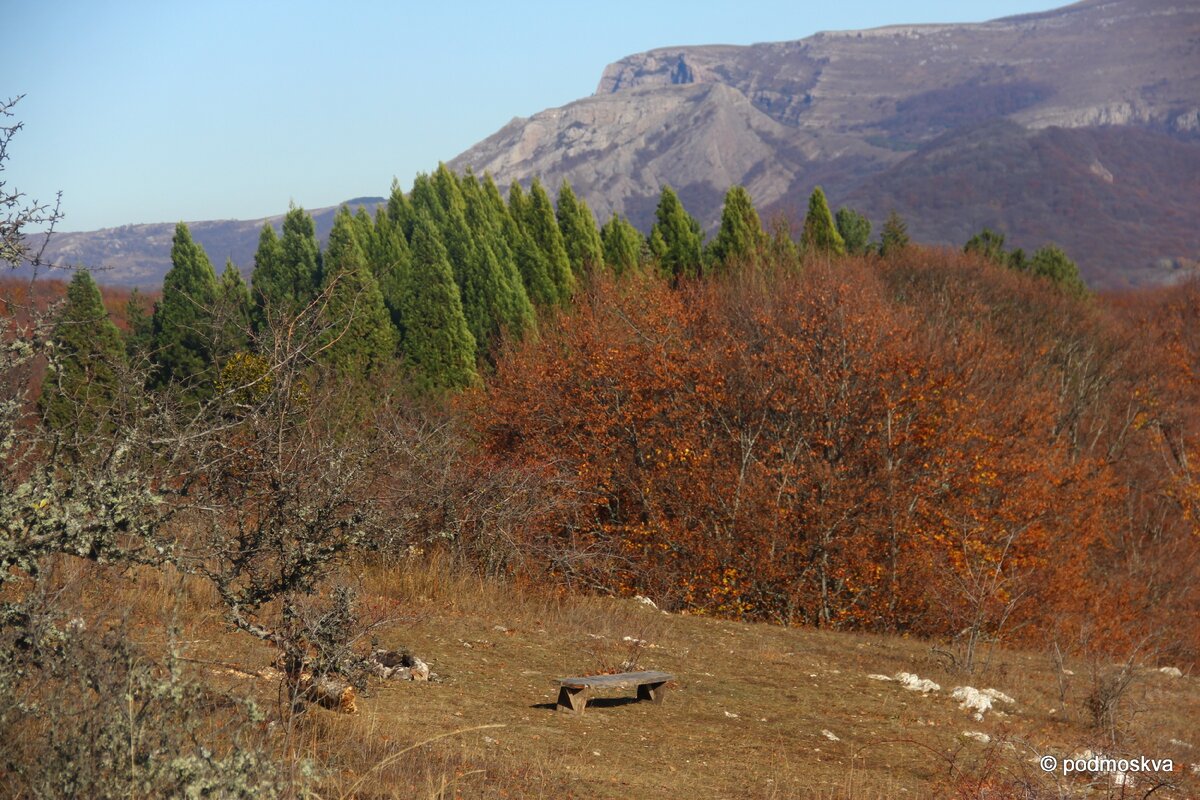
column 267, row 277
column 540, row 224
column 681, row 239
column 783, row 248
column 894, row 236
column 509, row 305
column 83, row 379
column 988, row 244
column 424, row 197
column 741, row 235
column 622, row 245
column 439, row 350
column 531, row 264
column 359, row 338
column 389, row 257
column 183, row 329
column 286, row 270
column 820, row 233
column 399, row 210
column 139, row 339
column 855, row 230
column 580, row 235
column 233, row 314
column 1052, row 263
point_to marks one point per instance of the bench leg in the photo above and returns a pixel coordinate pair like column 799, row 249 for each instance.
column 572, row 699
column 654, row 692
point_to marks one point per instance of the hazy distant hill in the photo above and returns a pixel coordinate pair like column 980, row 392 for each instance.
column 1079, row 125
column 1099, row 148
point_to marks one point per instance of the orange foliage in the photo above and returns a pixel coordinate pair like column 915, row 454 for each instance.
column 926, row 445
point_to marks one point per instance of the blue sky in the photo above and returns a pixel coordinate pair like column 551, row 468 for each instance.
column 165, row 110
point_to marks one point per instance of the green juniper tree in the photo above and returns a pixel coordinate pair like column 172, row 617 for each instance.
column 439, row 350
column 1052, row 263
column 399, row 210
column 989, row 244
column 183, row 320
column 580, row 235
column 680, row 239
column 140, row 336
column 741, row 235
column 359, row 338
column 820, row 233
column 233, row 314
column 83, row 378
column 540, row 224
column 531, row 264
column 508, row 303
column 622, row 245
column 855, row 230
column 893, row 238
column 782, row 247
column 286, row 270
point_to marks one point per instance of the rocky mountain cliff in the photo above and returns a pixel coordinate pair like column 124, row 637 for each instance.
column 1100, row 102
column 1080, row 126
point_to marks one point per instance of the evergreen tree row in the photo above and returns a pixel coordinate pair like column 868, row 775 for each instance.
column 433, row 280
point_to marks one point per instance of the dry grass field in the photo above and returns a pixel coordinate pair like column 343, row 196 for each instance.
column 758, row 711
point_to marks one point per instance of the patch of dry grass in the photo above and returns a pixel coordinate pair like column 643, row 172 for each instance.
column 747, row 716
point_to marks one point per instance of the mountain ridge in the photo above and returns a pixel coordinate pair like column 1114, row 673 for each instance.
column 882, row 118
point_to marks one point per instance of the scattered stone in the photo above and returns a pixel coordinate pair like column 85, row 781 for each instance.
column 831, row 736
column 731, row 715
column 910, row 681
column 978, row 736
column 1171, row 672
column 398, row 665
column 879, row 677
column 646, row 601
column 1180, row 743
column 971, row 698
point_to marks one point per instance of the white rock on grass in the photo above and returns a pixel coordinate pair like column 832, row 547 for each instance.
column 1171, row 672
column 879, row 677
column 831, row 736
column 646, row 601
column 978, row 736
column 910, row 681
column 972, row 699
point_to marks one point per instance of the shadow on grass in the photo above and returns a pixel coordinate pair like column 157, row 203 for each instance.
column 595, row 702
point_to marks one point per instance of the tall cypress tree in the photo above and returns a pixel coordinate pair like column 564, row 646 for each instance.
column 183, row 320
column 389, row 258
column 359, row 337
column 439, row 350
column 531, row 264
column 140, row 337
column 233, row 313
column 622, row 245
column 682, row 238
column 820, row 233
column 855, row 230
column 542, row 227
column 580, row 236
column 267, row 277
column 893, row 238
column 286, row 270
column 495, row 273
column 741, row 235
column 399, row 210
column 83, row 380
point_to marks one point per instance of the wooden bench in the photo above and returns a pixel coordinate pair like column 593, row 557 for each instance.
column 574, row 693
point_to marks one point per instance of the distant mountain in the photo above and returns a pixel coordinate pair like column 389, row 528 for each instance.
column 1079, row 126
column 139, row 255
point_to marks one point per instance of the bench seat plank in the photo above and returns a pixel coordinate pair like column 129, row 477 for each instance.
column 574, row 693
